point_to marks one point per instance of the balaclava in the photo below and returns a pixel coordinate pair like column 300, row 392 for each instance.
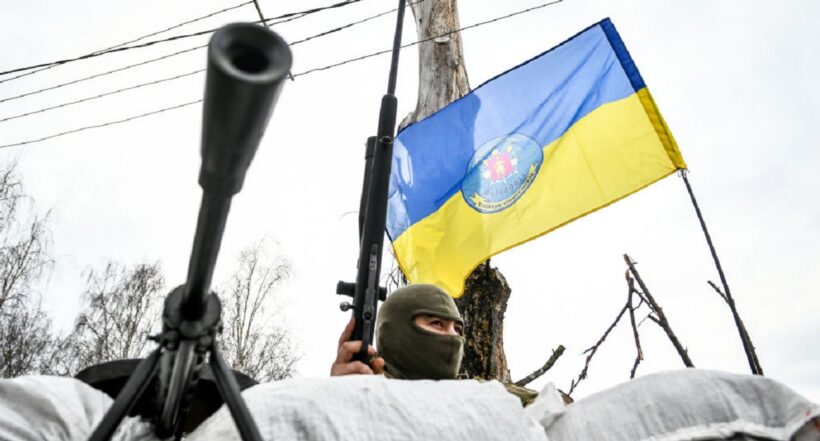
column 412, row 353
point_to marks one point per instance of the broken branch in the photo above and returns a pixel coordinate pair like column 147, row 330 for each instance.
column 556, row 353
column 661, row 317
column 631, row 282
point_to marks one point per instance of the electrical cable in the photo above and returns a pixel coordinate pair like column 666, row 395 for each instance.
column 137, row 86
column 80, row 80
column 69, row 83
column 340, row 28
column 331, row 66
column 299, row 14
column 475, row 25
column 49, row 66
column 106, row 124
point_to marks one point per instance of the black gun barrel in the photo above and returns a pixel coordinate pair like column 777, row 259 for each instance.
column 247, row 66
column 373, row 209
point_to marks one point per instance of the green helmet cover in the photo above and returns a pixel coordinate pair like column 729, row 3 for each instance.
column 413, row 353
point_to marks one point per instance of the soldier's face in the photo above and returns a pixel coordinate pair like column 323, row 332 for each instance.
column 438, row 325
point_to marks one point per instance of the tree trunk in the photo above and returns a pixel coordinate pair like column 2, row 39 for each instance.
column 483, row 306
column 442, row 75
column 443, row 79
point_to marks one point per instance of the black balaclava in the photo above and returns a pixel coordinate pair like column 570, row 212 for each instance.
column 412, row 353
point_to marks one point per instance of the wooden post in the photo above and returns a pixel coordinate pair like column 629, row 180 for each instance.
column 443, row 79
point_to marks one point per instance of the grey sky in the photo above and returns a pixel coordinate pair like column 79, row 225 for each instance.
column 735, row 80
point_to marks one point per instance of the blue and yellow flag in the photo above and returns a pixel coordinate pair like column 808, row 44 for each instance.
column 553, row 139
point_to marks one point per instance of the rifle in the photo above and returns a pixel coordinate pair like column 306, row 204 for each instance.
column 247, row 65
column 366, row 291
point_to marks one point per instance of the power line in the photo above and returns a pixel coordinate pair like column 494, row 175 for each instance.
column 52, row 65
column 125, row 89
column 475, row 25
column 293, row 15
column 322, row 34
column 2, row 120
column 358, row 22
column 106, row 124
column 69, row 83
column 130, row 66
column 331, row 66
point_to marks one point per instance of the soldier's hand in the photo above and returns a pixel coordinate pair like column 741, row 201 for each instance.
column 345, row 365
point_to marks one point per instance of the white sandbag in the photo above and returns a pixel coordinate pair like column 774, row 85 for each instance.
column 42, row 408
column 689, row 404
column 359, row 408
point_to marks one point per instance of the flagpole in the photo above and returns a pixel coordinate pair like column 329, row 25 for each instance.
column 754, row 364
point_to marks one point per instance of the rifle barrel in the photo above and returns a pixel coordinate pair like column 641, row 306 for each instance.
column 247, row 66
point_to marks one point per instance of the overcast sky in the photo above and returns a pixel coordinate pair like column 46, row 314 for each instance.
column 735, row 80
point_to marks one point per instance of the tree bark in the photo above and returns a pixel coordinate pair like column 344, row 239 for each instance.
column 442, row 80
column 482, row 307
column 442, row 75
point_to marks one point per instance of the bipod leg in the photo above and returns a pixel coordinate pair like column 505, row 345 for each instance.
column 229, row 390
column 128, row 396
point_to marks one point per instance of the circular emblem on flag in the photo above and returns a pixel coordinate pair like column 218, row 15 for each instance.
column 500, row 172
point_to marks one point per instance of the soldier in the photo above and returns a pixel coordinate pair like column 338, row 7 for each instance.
column 418, row 334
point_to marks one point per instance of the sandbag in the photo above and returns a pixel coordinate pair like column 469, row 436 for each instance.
column 669, row 406
column 365, row 408
column 690, row 404
column 44, row 408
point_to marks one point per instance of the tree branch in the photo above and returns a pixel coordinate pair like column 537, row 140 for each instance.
column 556, row 353
column 661, row 317
column 631, row 282
column 744, row 335
column 594, row 348
column 717, row 289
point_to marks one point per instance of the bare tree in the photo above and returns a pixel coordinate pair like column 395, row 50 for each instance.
column 121, row 311
column 255, row 341
column 25, row 241
column 25, row 246
column 25, row 341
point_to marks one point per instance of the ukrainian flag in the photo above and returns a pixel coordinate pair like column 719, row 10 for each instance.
column 553, row 139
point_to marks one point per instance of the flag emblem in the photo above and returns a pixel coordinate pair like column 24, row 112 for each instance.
column 500, row 172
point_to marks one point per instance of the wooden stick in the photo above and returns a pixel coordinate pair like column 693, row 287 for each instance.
column 591, row 351
column 661, row 317
column 727, row 294
column 556, row 353
column 744, row 335
column 631, row 282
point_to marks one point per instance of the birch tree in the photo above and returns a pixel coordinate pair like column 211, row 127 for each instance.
column 255, row 339
column 121, row 311
column 25, row 259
